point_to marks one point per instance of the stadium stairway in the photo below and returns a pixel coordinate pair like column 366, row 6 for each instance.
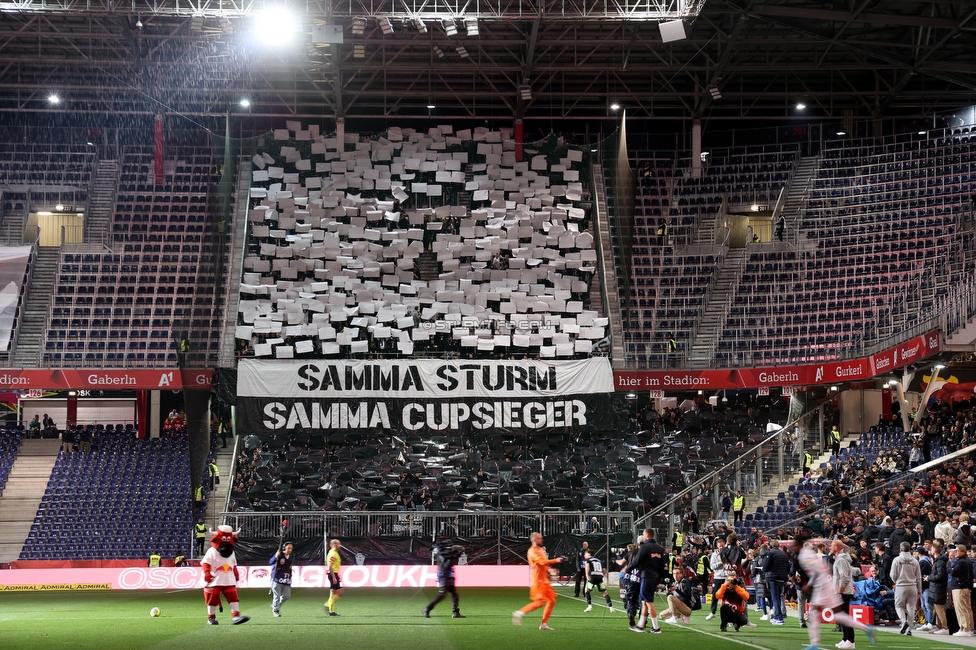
column 36, row 306
column 775, row 486
column 28, row 479
column 98, row 221
column 218, row 498
column 702, row 354
column 802, row 181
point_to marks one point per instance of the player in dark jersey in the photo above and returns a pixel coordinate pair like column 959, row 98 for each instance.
column 595, row 579
column 651, row 559
column 630, row 583
column 447, row 555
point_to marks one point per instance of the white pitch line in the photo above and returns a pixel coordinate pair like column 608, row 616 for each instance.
column 723, row 637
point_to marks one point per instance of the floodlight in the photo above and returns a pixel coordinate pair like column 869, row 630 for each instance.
column 842, row 133
column 615, row 106
column 53, row 98
column 358, row 26
column 420, row 25
column 385, row 25
column 430, row 105
column 359, row 51
column 471, row 24
column 275, row 26
column 245, row 103
column 800, row 106
column 715, row 92
column 525, row 92
column 461, row 51
column 449, row 27
column 59, row 207
column 439, row 52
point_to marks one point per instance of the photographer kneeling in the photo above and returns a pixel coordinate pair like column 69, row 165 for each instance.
column 681, row 595
column 734, row 599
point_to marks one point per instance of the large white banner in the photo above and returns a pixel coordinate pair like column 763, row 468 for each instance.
column 422, row 378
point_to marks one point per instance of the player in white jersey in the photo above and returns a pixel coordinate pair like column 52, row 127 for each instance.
column 819, row 584
column 595, row 579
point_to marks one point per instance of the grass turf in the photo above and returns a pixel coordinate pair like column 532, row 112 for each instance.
column 386, row 619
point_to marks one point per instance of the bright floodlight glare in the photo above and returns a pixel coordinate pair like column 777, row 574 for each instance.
column 801, row 106
column 431, row 106
column 615, row 106
column 275, row 26
column 841, row 133
column 921, row 132
column 245, row 103
column 53, row 98
column 939, row 366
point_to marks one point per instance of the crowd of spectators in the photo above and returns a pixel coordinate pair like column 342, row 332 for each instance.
column 875, row 510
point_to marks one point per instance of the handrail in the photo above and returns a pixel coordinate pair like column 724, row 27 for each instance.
column 780, row 200
column 705, row 480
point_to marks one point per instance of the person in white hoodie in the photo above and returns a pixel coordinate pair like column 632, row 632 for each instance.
column 944, row 529
column 717, row 565
column 844, row 583
column 907, row 577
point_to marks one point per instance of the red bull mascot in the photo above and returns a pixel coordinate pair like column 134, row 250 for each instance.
column 220, row 573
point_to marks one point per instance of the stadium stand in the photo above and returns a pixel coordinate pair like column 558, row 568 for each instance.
column 880, row 454
column 9, row 444
column 95, row 500
column 671, row 278
column 418, row 244
column 114, row 308
column 645, row 458
column 895, row 209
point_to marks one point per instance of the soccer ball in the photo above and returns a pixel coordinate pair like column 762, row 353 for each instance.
column 154, row 612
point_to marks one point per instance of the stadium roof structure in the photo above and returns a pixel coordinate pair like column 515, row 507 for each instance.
column 498, row 59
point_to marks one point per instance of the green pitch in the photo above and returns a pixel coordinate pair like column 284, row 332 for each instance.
column 370, row 618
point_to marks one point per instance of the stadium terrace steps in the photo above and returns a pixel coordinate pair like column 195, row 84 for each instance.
column 28, row 479
column 98, row 221
column 427, row 266
column 793, row 479
column 232, row 289
column 806, row 171
column 218, row 498
column 12, row 227
column 36, row 309
column 702, row 353
column 607, row 271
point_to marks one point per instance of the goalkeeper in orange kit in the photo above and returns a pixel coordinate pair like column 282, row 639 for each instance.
column 541, row 590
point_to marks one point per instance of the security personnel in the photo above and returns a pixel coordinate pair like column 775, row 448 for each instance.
column 200, row 532
column 214, row 473
column 672, row 344
column 677, row 541
column 662, row 232
column 702, row 570
column 155, row 559
column 198, row 497
column 180, row 560
column 807, row 461
column 835, row 440
column 738, row 507
column 222, row 432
